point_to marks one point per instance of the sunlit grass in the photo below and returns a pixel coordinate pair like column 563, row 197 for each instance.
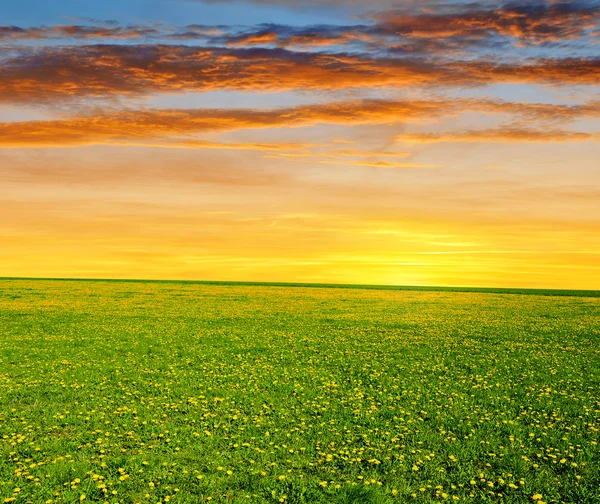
column 149, row 392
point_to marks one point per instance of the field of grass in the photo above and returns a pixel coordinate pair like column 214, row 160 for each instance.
column 191, row 393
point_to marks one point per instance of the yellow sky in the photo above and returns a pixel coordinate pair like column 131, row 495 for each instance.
column 186, row 216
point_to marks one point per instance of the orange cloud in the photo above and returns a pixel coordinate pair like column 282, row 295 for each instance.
column 261, row 38
column 176, row 128
column 530, row 22
column 202, row 144
column 338, row 154
column 501, row 135
column 131, row 127
column 42, row 74
column 449, row 27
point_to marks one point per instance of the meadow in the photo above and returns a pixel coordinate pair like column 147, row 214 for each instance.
column 191, row 393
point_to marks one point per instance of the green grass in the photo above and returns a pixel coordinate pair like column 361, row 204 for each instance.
column 191, row 392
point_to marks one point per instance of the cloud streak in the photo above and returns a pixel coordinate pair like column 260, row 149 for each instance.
column 178, row 128
column 134, row 126
column 16, row 33
column 535, row 23
column 500, row 135
column 50, row 74
column 441, row 29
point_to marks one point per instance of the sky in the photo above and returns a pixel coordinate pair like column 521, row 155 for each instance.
column 387, row 142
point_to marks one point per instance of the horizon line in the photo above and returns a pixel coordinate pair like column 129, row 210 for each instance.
column 539, row 291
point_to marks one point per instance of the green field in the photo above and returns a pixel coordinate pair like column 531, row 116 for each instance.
column 189, row 393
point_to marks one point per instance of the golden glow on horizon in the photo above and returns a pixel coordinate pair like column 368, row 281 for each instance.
column 231, row 245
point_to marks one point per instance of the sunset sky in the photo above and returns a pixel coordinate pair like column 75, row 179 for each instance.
column 384, row 142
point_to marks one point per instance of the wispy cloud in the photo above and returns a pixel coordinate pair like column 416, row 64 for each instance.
column 133, row 126
column 179, row 128
column 71, row 31
column 501, row 135
column 383, row 164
